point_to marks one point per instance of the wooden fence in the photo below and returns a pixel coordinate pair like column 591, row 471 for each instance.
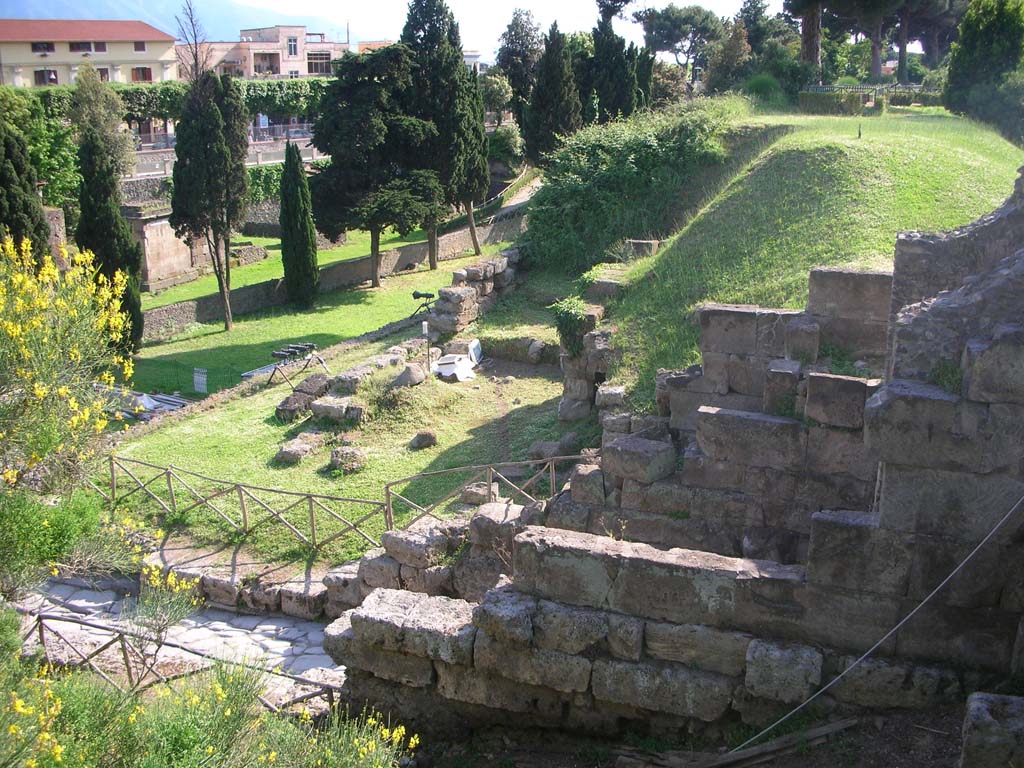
column 242, row 508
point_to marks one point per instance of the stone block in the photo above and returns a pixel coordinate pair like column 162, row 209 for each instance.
column 780, row 387
column 604, row 288
column 684, row 404
column 330, row 408
column 614, row 421
column 573, row 410
column 638, row 459
column 754, row 439
column 587, row 484
column 219, row 587
column 471, row 686
column 771, row 331
column 478, row 493
column 660, row 687
column 833, row 451
column 565, row 513
column 842, row 293
column 418, row 548
column 303, row 598
column 507, row 616
column 978, row 638
column 836, row 400
column 638, row 249
column 803, row 338
column 292, row 407
column 378, row 569
column 578, row 388
column 459, row 278
column 715, row 370
column 341, row 644
column 348, row 459
column 786, row 673
column 980, row 583
column 939, row 430
column 459, row 295
column 315, row 385
column 568, row 629
column 610, row 396
column 344, row 589
column 994, row 368
column 698, row 646
column 993, row 732
column 532, row 666
column 728, row 328
column 892, row 684
column 849, row 551
column 747, row 374
column 625, row 636
column 495, row 525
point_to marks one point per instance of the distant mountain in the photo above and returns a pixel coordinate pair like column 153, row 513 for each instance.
column 221, row 19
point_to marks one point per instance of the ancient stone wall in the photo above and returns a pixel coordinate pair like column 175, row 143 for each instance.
column 474, row 290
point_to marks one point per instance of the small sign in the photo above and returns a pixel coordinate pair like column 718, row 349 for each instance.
column 426, row 328
column 199, row 380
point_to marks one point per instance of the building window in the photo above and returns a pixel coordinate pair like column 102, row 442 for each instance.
column 142, row 75
column 104, row 74
column 140, row 46
column 99, row 47
column 46, row 77
column 318, row 62
column 293, row 46
column 80, row 47
column 43, row 48
column 293, row 73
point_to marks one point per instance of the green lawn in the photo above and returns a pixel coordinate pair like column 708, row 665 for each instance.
column 357, row 244
column 167, row 366
column 818, row 195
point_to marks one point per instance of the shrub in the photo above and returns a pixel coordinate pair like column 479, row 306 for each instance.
column 930, row 99
column 506, row 146
column 624, row 179
column 764, row 87
column 570, row 321
column 901, row 98
column 847, row 80
column 990, row 45
column 835, row 103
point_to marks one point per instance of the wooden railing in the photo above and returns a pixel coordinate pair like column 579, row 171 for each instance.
column 139, row 666
column 528, row 492
column 241, row 507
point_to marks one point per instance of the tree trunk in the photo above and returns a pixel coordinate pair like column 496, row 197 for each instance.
column 934, row 54
column 432, row 247
column 472, row 227
column 375, row 257
column 876, row 51
column 223, row 279
column 810, row 38
column 902, row 71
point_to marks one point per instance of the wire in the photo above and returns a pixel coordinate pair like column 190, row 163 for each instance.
column 891, row 632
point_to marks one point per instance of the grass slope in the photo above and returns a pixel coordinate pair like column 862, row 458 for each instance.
column 819, row 195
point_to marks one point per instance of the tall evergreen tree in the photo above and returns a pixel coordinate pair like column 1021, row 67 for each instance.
column 521, row 48
column 298, row 235
column 614, row 78
column 555, row 105
column 235, row 114
column 581, row 54
column 475, row 175
column 103, row 230
column 21, row 210
column 645, row 59
column 96, row 105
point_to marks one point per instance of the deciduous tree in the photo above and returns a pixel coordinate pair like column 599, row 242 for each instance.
column 521, row 48
column 496, row 92
column 991, row 45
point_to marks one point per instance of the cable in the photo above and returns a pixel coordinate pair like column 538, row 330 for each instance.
column 891, row 632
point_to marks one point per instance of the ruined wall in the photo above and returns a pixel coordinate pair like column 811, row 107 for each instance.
column 474, row 290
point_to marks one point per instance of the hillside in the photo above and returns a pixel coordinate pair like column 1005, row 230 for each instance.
column 817, row 195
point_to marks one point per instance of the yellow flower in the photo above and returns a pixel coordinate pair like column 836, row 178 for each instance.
column 10, row 476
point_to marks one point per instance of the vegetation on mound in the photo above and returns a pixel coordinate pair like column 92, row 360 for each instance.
column 818, row 196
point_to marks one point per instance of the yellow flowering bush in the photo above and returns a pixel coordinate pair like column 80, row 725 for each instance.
column 165, row 599
column 58, row 337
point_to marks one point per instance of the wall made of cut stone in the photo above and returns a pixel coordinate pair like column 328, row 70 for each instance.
column 474, row 291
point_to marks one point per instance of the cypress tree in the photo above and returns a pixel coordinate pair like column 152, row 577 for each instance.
column 614, row 78
column 21, row 210
column 103, row 230
column 555, row 104
column 476, row 171
column 298, row 236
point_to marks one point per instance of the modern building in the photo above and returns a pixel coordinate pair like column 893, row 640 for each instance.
column 41, row 52
column 472, row 58
column 273, row 52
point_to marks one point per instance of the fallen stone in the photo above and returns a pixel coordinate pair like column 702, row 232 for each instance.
column 993, row 732
column 298, row 448
column 330, row 408
column 347, row 459
column 610, row 396
column 315, row 385
column 543, row 449
column 425, row 438
column 786, row 673
column 535, row 352
column 573, row 410
column 477, row 494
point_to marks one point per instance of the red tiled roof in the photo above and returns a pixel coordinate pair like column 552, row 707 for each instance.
column 73, row 30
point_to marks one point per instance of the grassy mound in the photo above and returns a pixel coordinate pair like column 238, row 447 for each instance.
column 818, row 195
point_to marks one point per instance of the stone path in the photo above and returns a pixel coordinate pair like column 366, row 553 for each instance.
column 292, row 645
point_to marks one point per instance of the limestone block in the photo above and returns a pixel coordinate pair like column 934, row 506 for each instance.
column 294, row 451
column 849, row 551
column 532, row 666
column 348, row 382
column 344, row 589
column 780, row 387
column 495, row 525
column 378, row 569
column 543, row 449
column 348, row 459
column 715, row 367
column 786, row 673
column 888, row 683
column 293, row 406
column 573, row 410
column 478, row 493
column 435, row 580
column 832, row 451
column 341, row 645
column 993, row 733
column 698, row 646
column 610, row 396
column 535, row 352
column 638, row 249
column 568, row 629
column 411, row 376
column 563, row 512
column 219, row 587
column 816, row 492
column 771, row 331
column 803, row 338
column 981, row 582
column 587, row 484
column 475, row 575
column 418, row 548
column 836, row 400
column 459, row 295
column 838, row 292
column 684, row 404
column 939, row 430
column 638, row 459
column 507, row 616
column 459, row 278
column 651, row 427
column 464, row 684
column 330, row 408
column 303, row 598
column 665, row 688
column 499, row 264
column 444, row 323
column 994, row 369
column 625, row 636
column 728, row 328
column 979, row 638
column 314, row 386
column 578, row 388
column 754, row 439
column 747, row 374
column 604, row 288
column 613, row 421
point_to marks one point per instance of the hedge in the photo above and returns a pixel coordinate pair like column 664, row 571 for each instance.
column 834, row 103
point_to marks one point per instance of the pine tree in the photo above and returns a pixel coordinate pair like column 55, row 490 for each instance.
column 521, row 48
column 103, row 230
column 21, row 210
column 614, row 78
column 298, row 235
column 555, row 105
